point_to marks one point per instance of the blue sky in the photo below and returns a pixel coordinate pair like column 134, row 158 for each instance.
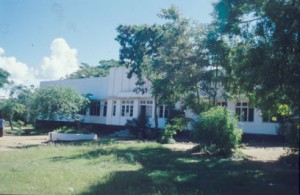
column 34, row 33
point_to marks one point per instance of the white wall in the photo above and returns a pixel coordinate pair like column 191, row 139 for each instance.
column 98, row 87
column 258, row 126
column 122, row 87
column 117, row 87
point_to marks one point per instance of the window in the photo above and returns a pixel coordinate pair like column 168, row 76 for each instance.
column 146, row 108
column 95, row 108
column 166, row 112
column 163, row 112
column 114, row 108
column 269, row 118
column 148, row 111
column 244, row 112
column 105, row 109
column 82, row 111
column 222, row 104
column 127, row 108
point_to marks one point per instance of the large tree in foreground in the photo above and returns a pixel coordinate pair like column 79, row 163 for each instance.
column 264, row 61
column 58, row 102
column 165, row 55
column 264, row 37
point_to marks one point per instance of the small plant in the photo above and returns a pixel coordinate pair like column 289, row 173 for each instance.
column 177, row 124
column 66, row 129
column 138, row 126
column 19, row 124
column 218, row 127
column 168, row 133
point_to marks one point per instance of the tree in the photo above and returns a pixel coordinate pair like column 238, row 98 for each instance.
column 264, row 59
column 165, row 55
column 9, row 108
column 58, row 102
column 88, row 71
column 23, row 95
column 265, row 50
column 3, row 77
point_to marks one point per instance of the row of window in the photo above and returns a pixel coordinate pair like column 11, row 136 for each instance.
column 243, row 110
column 246, row 113
column 97, row 107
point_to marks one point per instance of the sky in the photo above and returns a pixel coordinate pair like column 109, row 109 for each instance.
column 48, row 39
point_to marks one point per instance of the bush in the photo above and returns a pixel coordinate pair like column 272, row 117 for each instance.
column 168, row 133
column 138, row 126
column 218, row 127
column 66, row 129
column 177, row 124
column 291, row 130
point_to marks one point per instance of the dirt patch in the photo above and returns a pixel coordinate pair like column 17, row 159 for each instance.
column 264, row 153
column 180, row 146
column 9, row 142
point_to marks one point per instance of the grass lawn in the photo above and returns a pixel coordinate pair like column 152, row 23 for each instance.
column 108, row 167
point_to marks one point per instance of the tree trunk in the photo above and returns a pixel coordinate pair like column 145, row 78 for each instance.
column 214, row 97
column 216, row 86
column 11, row 125
column 198, row 98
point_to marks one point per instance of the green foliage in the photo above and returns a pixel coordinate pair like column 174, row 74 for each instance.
column 87, row 71
column 166, row 55
column 3, row 77
column 58, row 102
column 19, row 124
column 70, row 130
column 10, row 108
column 176, row 124
column 24, row 96
column 138, row 126
column 291, row 131
column 218, row 127
column 197, row 105
column 264, row 38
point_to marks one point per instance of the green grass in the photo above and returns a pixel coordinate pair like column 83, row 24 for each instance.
column 26, row 130
column 109, row 167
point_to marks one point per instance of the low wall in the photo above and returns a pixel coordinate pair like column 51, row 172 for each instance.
column 54, row 136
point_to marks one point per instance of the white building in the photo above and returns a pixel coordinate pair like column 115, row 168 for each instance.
column 114, row 102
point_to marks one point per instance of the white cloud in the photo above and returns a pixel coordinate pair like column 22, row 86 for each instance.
column 62, row 61
column 19, row 72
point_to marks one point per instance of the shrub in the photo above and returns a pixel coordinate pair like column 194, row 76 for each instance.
column 168, row 133
column 176, row 124
column 66, row 129
column 218, row 127
column 290, row 129
column 138, row 126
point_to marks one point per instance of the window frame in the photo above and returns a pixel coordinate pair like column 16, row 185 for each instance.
column 94, row 108
column 163, row 111
column 127, row 108
column 244, row 112
column 114, row 110
column 104, row 111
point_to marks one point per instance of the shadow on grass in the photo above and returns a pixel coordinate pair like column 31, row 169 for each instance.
column 167, row 172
